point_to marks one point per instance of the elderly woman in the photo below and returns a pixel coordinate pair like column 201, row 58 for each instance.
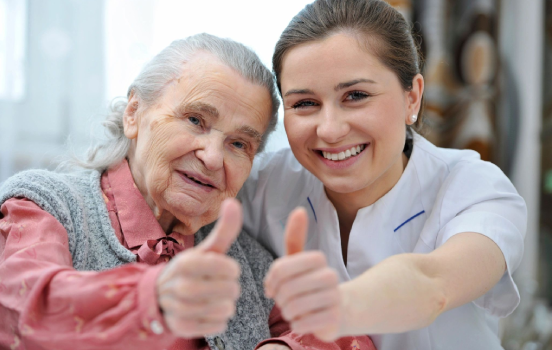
column 85, row 255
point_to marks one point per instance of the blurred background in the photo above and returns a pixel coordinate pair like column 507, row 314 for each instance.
column 486, row 69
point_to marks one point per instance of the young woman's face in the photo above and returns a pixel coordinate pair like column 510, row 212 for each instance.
column 345, row 114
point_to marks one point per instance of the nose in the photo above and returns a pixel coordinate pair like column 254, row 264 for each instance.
column 332, row 127
column 211, row 152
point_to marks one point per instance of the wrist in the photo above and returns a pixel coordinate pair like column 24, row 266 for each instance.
column 345, row 309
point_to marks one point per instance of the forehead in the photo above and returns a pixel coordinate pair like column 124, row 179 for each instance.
column 340, row 56
column 206, row 81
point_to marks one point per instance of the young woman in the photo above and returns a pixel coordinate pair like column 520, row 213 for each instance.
column 423, row 239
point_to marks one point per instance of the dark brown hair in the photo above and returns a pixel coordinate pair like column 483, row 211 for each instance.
column 384, row 30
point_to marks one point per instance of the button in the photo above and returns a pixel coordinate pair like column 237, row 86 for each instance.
column 219, row 343
column 156, row 327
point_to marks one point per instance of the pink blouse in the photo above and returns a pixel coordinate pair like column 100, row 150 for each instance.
column 46, row 304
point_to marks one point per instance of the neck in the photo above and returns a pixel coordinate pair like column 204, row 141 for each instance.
column 348, row 204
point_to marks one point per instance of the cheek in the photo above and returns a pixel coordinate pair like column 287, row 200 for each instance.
column 166, row 144
column 236, row 174
column 387, row 121
column 298, row 129
column 388, row 131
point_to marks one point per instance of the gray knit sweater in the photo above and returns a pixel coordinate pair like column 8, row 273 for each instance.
column 75, row 200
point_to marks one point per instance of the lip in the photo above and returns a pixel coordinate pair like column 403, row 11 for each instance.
column 184, row 175
column 342, row 164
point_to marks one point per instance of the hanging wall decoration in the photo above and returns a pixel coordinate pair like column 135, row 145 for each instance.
column 461, row 63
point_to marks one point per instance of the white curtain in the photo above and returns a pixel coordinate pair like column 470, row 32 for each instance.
column 54, row 79
column 13, row 25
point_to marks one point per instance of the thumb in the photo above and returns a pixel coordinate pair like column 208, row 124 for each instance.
column 226, row 230
column 296, row 231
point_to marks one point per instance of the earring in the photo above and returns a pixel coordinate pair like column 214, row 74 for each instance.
column 413, row 118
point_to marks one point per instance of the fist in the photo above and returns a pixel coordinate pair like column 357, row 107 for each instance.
column 304, row 287
column 198, row 289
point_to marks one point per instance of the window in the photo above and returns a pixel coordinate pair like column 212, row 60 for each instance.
column 13, row 18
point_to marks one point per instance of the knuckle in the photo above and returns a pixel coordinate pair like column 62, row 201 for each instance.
column 330, row 276
column 280, row 300
column 319, row 258
column 236, row 291
column 283, row 295
column 275, row 268
column 235, row 268
column 214, row 328
column 293, row 309
column 287, row 313
column 164, row 302
column 229, row 309
column 187, row 288
column 182, row 328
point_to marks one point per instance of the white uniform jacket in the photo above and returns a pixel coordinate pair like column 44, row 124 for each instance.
column 442, row 192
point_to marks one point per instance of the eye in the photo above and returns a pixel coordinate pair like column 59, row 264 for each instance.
column 238, row 144
column 304, row 104
column 194, row 120
column 356, row 96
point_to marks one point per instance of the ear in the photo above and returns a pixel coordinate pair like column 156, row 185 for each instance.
column 414, row 98
column 130, row 117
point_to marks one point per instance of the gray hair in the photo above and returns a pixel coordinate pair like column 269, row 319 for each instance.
column 163, row 68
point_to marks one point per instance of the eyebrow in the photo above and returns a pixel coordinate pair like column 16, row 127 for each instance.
column 249, row 131
column 214, row 113
column 299, row 92
column 202, row 107
column 336, row 88
column 352, row 82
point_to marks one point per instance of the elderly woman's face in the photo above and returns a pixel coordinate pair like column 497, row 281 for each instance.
column 195, row 146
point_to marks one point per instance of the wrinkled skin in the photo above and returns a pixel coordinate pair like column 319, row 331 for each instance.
column 177, row 136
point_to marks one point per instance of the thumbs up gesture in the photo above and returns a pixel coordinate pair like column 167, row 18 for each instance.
column 303, row 286
column 198, row 289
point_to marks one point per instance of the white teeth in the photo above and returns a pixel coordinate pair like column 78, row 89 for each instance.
column 345, row 154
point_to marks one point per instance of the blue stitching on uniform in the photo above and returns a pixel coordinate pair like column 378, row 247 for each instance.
column 315, row 219
column 404, row 223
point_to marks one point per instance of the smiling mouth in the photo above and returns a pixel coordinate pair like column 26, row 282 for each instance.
column 344, row 155
column 197, row 181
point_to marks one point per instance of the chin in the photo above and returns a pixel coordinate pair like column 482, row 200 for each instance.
column 190, row 208
column 343, row 186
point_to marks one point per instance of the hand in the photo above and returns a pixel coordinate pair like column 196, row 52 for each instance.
column 198, row 289
column 274, row 347
column 305, row 289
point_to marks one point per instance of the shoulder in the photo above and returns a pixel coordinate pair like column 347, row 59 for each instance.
column 274, row 164
column 54, row 192
column 43, row 181
column 452, row 168
column 46, row 178
column 453, row 181
column 444, row 159
column 277, row 176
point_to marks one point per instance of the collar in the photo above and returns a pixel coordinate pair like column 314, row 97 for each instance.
column 138, row 224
